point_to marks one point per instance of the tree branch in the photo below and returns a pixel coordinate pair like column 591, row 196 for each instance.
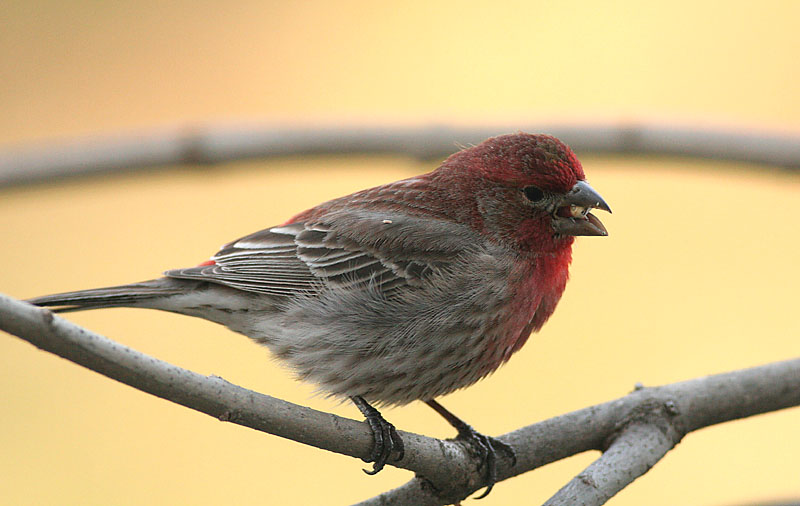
column 638, row 448
column 210, row 394
column 674, row 410
column 656, row 417
column 212, row 144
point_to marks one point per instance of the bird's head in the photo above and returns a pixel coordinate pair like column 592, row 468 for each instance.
column 530, row 191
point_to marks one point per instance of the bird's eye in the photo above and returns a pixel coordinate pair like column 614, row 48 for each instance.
column 533, row 193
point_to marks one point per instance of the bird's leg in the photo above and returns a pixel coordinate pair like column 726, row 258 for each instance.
column 487, row 446
column 387, row 440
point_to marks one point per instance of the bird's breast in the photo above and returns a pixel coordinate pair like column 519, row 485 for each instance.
column 535, row 287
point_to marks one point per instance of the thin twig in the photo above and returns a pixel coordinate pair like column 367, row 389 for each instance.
column 638, row 448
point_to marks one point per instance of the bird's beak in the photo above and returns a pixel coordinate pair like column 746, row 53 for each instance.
column 572, row 216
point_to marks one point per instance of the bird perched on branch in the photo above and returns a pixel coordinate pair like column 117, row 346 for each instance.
column 403, row 292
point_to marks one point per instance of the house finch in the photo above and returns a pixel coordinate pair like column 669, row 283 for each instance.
column 403, row 292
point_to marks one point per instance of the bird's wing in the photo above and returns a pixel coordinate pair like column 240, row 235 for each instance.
column 344, row 249
column 263, row 262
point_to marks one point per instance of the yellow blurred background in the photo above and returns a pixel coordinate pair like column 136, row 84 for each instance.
column 699, row 274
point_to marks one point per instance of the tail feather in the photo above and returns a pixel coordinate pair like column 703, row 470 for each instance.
column 133, row 295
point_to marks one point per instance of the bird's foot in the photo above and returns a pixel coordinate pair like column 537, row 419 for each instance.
column 386, row 438
column 487, row 448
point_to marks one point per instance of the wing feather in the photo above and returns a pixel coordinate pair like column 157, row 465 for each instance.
column 295, row 259
column 343, row 247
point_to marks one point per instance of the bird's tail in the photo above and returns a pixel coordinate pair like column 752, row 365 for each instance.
column 133, row 295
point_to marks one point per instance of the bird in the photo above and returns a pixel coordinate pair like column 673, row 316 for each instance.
column 403, row 292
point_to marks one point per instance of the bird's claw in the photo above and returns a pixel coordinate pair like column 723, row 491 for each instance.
column 385, row 437
column 387, row 441
column 487, row 448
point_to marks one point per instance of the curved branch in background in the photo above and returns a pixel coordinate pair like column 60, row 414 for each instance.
column 212, row 144
column 634, row 431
